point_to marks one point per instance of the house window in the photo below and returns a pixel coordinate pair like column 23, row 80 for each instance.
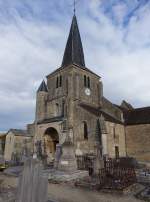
column 85, row 131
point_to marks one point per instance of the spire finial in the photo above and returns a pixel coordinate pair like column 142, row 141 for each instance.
column 74, row 51
column 74, row 7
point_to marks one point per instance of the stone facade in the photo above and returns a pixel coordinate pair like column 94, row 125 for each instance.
column 115, row 139
column 60, row 108
column 16, row 143
column 138, row 141
column 2, row 143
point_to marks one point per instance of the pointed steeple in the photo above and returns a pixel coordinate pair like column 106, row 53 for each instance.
column 43, row 87
column 98, row 132
column 74, row 51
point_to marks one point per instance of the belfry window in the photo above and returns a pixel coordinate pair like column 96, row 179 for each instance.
column 60, row 81
column 85, row 131
column 86, row 81
column 57, row 82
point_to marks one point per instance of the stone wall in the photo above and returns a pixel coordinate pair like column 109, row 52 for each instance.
column 31, row 129
column 138, row 141
column 15, row 145
column 79, row 89
column 111, row 109
column 9, row 146
column 2, row 143
column 84, row 146
column 115, row 138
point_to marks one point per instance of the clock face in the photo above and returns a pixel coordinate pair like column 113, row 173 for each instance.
column 87, row 91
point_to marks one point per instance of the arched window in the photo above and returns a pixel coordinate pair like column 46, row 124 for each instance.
column 57, row 82
column 88, row 82
column 85, row 131
column 85, row 81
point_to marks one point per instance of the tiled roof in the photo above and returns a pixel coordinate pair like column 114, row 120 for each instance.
column 137, row 116
column 19, row 132
column 43, row 87
column 75, row 65
column 98, row 111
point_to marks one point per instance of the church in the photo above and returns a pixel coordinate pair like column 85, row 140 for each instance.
column 71, row 104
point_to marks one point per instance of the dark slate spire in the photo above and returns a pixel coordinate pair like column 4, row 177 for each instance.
column 74, row 50
column 43, row 87
column 98, row 137
column 98, row 132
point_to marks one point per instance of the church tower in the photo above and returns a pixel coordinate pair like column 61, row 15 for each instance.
column 69, row 104
column 41, row 98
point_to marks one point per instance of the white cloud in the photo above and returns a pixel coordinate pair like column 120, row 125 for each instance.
column 27, row 55
column 121, row 56
column 119, row 12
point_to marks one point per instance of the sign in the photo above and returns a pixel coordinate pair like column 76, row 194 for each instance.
column 64, row 162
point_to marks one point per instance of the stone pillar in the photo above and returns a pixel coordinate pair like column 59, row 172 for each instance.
column 98, row 163
column 104, row 136
column 68, row 161
column 104, row 144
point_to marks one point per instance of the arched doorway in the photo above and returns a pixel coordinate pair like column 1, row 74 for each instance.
column 51, row 139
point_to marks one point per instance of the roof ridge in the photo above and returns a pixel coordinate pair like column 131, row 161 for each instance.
column 139, row 108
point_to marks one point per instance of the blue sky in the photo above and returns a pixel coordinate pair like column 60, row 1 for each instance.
column 33, row 34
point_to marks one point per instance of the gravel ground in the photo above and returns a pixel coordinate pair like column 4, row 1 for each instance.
column 64, row 193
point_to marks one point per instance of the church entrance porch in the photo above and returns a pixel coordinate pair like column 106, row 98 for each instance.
column 51, row 139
